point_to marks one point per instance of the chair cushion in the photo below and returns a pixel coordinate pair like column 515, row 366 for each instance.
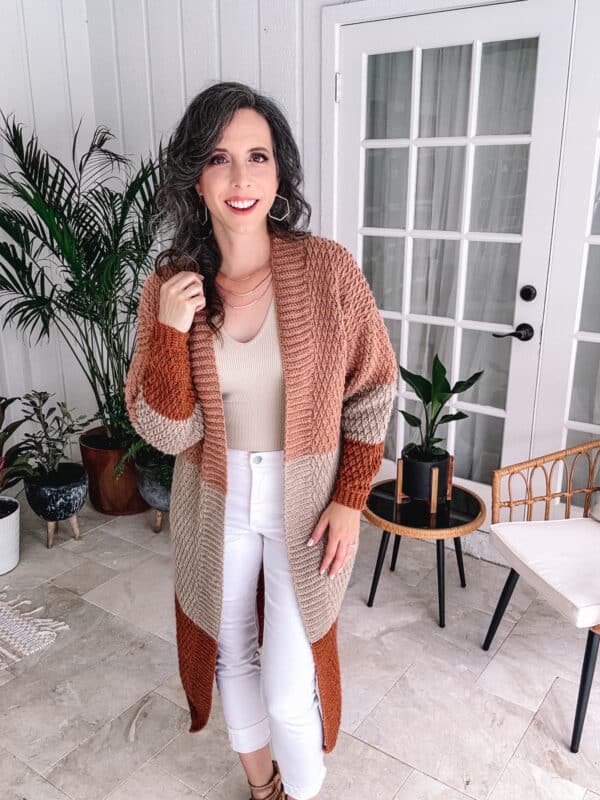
column 560, row 559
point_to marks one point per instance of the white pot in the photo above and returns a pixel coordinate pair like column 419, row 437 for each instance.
column 9, row 534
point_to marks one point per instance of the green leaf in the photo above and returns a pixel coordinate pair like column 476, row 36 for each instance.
column 437, row 451
column 439, row 382
column 421, row 385
column 413, row 421
column 452, row 417
column 462, row 386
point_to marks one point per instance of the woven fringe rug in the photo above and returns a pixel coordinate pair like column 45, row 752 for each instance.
column 21, row 633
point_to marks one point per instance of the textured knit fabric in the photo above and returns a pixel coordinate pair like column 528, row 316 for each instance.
column 251, row 380
column 340, row 377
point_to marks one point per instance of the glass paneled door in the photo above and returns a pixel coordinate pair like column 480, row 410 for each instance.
column 449, row 140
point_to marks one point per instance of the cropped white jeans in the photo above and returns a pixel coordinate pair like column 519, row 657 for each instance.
column 273, row 697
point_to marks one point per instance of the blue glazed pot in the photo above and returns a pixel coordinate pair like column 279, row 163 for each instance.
column 59, row 495
column 154, row 493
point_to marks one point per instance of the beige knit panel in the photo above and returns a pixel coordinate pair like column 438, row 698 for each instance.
column 366, row 414
column 309, row 483
column 167, row 435
column 197, row 520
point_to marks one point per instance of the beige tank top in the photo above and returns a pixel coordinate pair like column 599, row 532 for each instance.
column 252, row 388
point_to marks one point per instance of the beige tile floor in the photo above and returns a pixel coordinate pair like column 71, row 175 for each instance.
column 427, row 714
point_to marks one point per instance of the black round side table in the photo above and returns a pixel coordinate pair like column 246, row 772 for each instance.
column 463, row 514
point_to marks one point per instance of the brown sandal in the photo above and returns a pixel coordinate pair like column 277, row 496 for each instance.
column 274, row 785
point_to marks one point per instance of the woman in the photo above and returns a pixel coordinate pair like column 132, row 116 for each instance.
column 262, row 362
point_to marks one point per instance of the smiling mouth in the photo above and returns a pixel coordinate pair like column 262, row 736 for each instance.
column 241, row 208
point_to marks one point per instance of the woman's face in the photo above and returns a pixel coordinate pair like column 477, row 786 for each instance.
column 241, row 168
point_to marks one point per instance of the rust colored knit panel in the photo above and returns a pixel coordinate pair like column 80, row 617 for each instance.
column 327, row 665
column 167, row 379
column 159, row 393
column 197, row 656
column 358, row 459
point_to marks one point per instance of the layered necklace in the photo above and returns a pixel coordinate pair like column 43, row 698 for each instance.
column 230, row 291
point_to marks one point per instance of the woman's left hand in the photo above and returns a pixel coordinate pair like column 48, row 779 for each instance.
column 344, row 528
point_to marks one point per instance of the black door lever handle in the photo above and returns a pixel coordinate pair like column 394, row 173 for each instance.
column 524, row 332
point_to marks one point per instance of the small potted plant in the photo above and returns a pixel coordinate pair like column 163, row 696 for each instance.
column 13, row 467
column 57, row 488
column 419, row 457
column 154, row 472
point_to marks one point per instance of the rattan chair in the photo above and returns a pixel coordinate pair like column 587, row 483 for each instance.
column 555, row 545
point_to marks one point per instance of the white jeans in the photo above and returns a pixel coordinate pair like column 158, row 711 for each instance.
column 274, row 697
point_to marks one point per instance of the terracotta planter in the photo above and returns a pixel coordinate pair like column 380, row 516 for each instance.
column 118, row 497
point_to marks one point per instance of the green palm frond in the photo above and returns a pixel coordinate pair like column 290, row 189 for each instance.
column 75, row 250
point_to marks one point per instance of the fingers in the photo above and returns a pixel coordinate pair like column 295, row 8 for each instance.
column 335, row 555
column 187, row 286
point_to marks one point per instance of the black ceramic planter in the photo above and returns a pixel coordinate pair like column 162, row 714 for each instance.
column 154, row 493
column 60, row 495
column 416, row 476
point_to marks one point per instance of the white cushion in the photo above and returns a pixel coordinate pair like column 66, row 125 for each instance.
column 560, row 559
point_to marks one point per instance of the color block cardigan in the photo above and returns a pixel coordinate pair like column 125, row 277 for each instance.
column 340, row 380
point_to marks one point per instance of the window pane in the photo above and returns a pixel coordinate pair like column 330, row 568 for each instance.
column 440, row 173
column 394, row 327
column 445, row 82
column 596, row 208
column 434, row 275
column 492, row 272
column 478, row 447
column 424, row 341
column 412, row 434
column 391, row 436
column 499, row 181
column 581, row 470
column 386, row 172
column 507, row 86
column 383, row 267
column 590, row 311
column 585, row 399
column 389, row 78
column 481, row 351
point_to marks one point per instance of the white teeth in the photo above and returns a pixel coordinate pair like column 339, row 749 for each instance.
column 240, row 204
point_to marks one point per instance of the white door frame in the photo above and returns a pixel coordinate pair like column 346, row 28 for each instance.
column 577, row 184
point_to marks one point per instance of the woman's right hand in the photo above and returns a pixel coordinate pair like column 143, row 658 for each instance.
column 180, row 298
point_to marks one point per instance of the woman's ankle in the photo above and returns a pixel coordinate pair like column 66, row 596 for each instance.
column 259, row 770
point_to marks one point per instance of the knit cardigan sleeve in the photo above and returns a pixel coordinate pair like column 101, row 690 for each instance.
column 370, row 386
column 159, row 395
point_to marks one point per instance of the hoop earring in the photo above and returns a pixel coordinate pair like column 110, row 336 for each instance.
column 205, row 220
column 286, row 213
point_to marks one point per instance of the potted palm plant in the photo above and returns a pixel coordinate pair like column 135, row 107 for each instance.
column 57, row 488
column 77, row 252
column 13, row 467
column 419, row 457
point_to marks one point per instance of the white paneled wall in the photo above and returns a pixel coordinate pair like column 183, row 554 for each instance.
column 45, row 80
column 133, row 65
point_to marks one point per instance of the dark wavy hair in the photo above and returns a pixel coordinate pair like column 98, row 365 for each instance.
column 192, row 243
